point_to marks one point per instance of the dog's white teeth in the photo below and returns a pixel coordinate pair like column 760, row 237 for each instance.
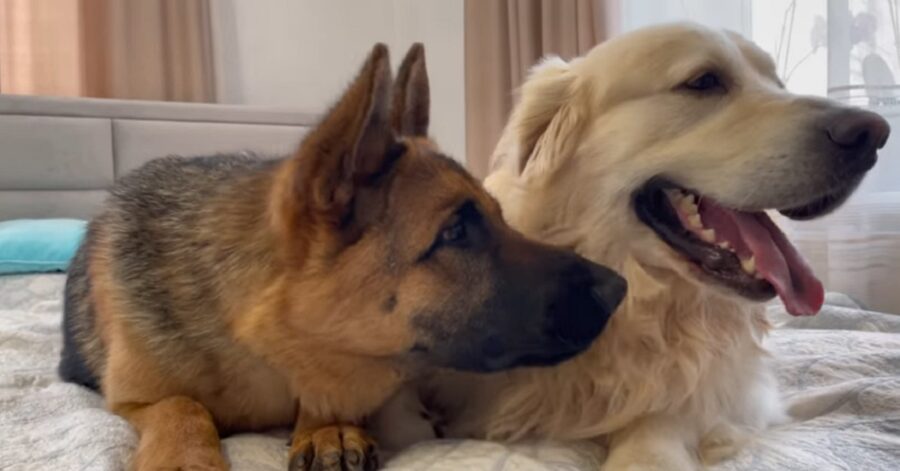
column 708, row 235
column 685, row 202
column 749, row 265
column 674, row 195
column 695, row 221
column 725, row 245
column 687, row 205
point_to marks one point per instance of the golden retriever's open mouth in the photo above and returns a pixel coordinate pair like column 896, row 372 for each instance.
column 741, row 250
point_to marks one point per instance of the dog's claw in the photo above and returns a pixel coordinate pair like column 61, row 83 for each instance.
column 333, row 448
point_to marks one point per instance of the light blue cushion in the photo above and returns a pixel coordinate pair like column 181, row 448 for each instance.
column 39, row 245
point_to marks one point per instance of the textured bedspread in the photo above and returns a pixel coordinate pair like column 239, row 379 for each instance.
column 840, row 369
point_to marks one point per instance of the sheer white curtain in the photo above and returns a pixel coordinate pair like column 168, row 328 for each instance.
column 848, row 50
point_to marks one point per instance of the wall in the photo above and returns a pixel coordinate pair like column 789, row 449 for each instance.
column 302, row 54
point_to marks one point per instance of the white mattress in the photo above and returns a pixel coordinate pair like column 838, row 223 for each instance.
column 841, row 369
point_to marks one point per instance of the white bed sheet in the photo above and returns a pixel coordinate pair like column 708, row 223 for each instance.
column 840, row 369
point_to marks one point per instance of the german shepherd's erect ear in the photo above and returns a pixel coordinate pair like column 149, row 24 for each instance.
column 350, row 148
column 410, row 107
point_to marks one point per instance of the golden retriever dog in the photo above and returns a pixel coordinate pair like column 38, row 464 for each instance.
column 659, row 154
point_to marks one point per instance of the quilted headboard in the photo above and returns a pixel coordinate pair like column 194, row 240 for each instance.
column 59, row 155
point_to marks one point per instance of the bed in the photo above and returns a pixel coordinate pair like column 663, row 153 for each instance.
column 839, row 370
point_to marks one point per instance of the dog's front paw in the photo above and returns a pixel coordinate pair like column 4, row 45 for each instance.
column 333, row 448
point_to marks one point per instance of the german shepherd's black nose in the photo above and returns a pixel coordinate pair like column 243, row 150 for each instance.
column 588, row 295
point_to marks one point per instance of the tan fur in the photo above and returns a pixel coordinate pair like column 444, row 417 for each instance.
column 247, row 395
column 277, row 354
column 176, row 433
column 230, row 294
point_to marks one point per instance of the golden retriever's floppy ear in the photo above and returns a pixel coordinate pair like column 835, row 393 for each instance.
column 350, row 148
column 548, row 118
column 411, row 101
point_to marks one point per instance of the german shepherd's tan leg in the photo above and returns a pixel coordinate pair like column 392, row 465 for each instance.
column 320, row 446
column 177, row 433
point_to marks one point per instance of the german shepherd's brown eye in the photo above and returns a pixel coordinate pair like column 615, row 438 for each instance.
column 455, row 233
column 459, row 231
column 708, row 81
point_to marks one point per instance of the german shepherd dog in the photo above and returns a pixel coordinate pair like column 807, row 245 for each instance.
column 226, row 293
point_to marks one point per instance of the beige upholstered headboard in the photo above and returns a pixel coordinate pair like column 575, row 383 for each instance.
column 59, row 155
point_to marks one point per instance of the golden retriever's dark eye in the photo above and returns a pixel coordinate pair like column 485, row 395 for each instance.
column 708, row 81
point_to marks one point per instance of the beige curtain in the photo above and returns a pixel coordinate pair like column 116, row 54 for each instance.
column 148, row 49
column 40, row 50
column 503, row 39
column 132, row 49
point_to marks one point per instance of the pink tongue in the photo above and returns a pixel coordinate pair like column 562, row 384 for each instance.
column 777, row 260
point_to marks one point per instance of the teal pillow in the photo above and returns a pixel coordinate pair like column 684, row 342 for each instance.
column 39, row 245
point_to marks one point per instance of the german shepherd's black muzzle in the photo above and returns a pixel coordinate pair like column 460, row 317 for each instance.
column 551, row 305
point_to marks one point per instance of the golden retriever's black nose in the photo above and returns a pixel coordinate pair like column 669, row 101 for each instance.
column 858, row 130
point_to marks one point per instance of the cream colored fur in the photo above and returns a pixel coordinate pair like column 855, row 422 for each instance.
column 679, row 377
